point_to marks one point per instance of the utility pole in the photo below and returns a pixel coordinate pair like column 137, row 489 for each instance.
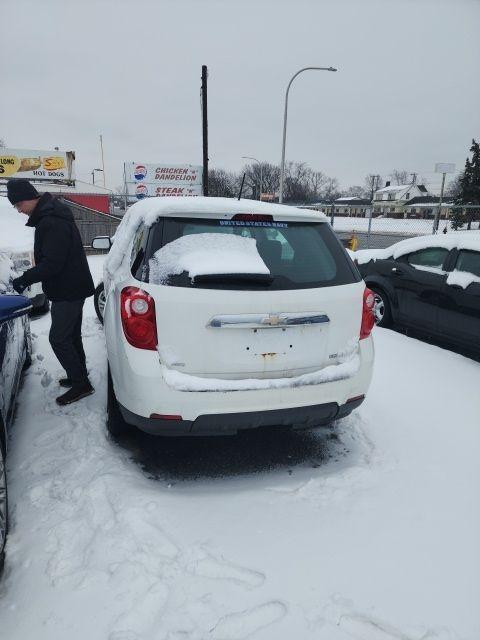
column 414, row 178
column 374, row 181
column 205, row 128
column 103, row 161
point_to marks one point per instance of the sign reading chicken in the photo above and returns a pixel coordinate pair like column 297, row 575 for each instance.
column 54, row 166
column 143, row 180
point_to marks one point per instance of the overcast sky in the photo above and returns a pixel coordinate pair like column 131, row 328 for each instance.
column 407, row 93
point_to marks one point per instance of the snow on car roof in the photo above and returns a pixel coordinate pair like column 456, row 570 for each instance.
column 14, row 235
column 453, row 240
column 149, row 209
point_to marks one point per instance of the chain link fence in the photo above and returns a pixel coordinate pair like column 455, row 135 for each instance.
column 379, row 232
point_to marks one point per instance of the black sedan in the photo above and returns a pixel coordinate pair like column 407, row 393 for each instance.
column 431, row 284
column 15, row 355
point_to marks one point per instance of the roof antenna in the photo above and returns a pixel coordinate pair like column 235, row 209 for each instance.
column 241, row 186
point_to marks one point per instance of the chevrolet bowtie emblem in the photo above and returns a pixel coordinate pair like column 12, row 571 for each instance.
column 272, row 320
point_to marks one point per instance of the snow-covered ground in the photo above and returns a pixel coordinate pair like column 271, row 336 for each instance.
column 389, row 225
column 370, row 534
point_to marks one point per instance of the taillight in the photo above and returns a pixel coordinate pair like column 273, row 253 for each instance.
column 137, row 310
column 368, row 319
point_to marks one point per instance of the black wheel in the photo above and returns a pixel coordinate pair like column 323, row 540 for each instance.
column 381, row 308
column 99, row 301
column 3, row 506
column 116, row 425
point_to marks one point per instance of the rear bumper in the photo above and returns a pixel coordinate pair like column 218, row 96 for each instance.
column 308, row 417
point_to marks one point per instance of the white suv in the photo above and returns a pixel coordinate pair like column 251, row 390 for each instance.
column 223, row 315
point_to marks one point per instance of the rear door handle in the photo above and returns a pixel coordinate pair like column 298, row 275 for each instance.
column 397, row 271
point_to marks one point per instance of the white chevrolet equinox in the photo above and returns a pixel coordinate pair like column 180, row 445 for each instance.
column 222, row 315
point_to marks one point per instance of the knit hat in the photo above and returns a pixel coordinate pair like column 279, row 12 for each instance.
column 20, row 189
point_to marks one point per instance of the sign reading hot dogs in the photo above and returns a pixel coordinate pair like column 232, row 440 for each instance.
column 37, row 165
column 144, row 180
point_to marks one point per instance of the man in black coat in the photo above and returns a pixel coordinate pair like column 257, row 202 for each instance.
column 62, row 268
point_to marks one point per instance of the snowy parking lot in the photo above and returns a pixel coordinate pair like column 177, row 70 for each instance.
column 370, row 531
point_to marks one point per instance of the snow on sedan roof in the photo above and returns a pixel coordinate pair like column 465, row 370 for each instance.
column 147, row 211
column 453, row 240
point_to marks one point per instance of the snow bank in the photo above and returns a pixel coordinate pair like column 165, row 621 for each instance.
column 147, row 211
column 14, row 235
column 206, row 253
column 6, row 272
column 462, row 278
column 455, row 240
column 348, row 365
column 392, row 226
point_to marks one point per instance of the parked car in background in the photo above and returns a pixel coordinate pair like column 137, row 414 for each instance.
column 222, row 315
column 15, row 355
column 17, row 241
column 429, row 283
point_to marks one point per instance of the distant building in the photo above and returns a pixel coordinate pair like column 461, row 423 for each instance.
column 426, row 207
column 392, row 199
column 352, row 207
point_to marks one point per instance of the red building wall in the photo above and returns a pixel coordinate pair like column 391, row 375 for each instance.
column 98, row 202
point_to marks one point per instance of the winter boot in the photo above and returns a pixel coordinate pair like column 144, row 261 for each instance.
column 65, row 382
column 77, row 392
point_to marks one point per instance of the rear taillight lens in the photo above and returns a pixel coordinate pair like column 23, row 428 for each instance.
column 137, row 310
column 368, row 319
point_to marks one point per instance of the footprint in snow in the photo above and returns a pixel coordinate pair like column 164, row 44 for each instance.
column 363, row 627
column 46, row 380
column 237, row 626
column 210, row 567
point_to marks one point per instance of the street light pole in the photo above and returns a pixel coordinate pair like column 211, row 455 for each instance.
column 282, row 164
column 261, row 173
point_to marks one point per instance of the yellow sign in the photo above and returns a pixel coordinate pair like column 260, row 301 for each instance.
column 8, row 166
column 53, row 163
column 36, row 165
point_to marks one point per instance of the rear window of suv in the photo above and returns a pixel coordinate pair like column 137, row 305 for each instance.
column 299, row 255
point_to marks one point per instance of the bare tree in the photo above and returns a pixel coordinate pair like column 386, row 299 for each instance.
column 222, row 183
column 2, row 143
column 355, row 192
column 331, row 190
column 400, row 176
column 317, row 181
column 296, row 186
column 372, row 184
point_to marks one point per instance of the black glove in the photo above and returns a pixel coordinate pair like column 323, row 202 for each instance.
column 19, row 285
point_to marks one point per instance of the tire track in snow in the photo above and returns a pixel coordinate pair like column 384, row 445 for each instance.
column 106, row 529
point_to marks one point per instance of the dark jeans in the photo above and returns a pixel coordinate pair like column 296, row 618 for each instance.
column 66, row 338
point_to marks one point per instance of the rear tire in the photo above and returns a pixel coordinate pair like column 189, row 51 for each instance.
column 99, row 301
column 382, row 308
column 116, row 425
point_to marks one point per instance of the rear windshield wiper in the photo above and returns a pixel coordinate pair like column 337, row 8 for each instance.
column 234, row 278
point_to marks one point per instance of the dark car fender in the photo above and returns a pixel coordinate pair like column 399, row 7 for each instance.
column 379, row 282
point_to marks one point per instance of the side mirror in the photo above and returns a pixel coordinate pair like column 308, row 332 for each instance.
column 13, row 307
column 102, row 242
